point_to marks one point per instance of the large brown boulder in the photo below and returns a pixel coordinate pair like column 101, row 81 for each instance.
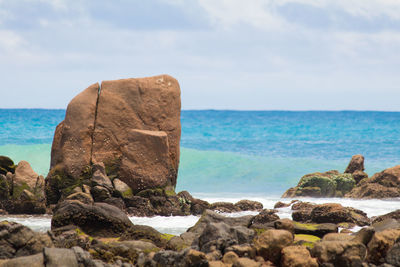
column 130, row 125
column 297, row 256
column 270, row 243
column 336, row 213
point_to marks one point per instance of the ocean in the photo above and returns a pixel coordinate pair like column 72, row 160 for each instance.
column 231, row 155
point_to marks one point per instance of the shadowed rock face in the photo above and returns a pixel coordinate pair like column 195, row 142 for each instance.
column 130, row 125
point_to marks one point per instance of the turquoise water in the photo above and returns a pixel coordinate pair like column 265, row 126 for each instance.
column 259, row 152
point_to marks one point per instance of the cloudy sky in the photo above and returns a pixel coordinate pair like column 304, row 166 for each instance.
column 226, row 54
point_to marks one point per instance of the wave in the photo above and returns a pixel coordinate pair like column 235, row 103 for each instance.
column 216, row 171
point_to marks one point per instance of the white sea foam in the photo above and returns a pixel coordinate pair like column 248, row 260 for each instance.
column 178, row 224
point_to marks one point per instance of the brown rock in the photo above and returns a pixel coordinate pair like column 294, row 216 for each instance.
column 230, row 257
column 284, row 224
column 340, row 253
column 336, row 213
column 82, row 197
column 297, row 256
column 373, row 190
column 146, row 139
column 24, row 174
column 224, row 207
column 246, row 204
column 264, row 219
column 245, row 262
column 270, row 243
column 303, row 205
column 388, row 178
column 356, row 164
column 131, row 125
column 359, row 175
column 380, row 244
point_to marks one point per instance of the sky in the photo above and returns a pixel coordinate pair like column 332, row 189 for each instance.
column 226, row 54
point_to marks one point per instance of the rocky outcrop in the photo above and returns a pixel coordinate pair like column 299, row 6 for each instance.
column 21, row 191
column 356, row 164
column 99, row 219
column 336, row 213
column 385, row 184
column 132, row 126
column 327, row 184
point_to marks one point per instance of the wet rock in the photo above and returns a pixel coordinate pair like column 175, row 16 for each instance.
column 224, row 207
column 139, row 206
column 336, row 213
column 356, row 164
column 280, row 204
column 301, row 215
column 340, row 253
column 99, row 219
column 245, row 205
column 297, row 256
column 395, row 215
column 299, row 205
column 270, row 243
column 264, row 219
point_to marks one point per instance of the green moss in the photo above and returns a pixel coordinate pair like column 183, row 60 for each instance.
column 81, row 233
column 17, row 190
column 112, row 168
column 151, row 192
column 307, row 226
column 344, row 182
column 259, row 231
column 326, row 184
column 127, row 193
column 170, row 193
column 167, row 237
column 306, row 240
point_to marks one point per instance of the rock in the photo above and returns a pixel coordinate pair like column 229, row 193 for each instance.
column 99, row 219
column 388, row 178
column 25, row 176
column 280, row 204
column 264, row 219
column 245, row 205
column 380, row 244
column 340, row 253
column 5, row 188
column 356, row 164
column 122, row 189
column 230, row 257
column 99, row 193
column 297, row 256
column 364, row 235
column 144, row 233
column 139, row 206
column 307, row 241
column 245, row 262
column 101, row 179
column 116, row 202
column 327, row 184
column 385, row 224
column 131, row 125
column 224, row 207
column 195, row 258
column 221, row 235
column 242, row 250
column 31, row 261
column 336, row 213
column 270, row 243
column 285, row 224
column 373, row 190
column 82, row 197
column 393, row 255
column 314, row 229
column 359, row 176
column 6, row 165
column 300, row 205
column 70, row 236
column 213, row 217
column 197, row 206
column 337, row 237
column 17, row 240
column 301, row 215
column 54, row 257
column 391, row 215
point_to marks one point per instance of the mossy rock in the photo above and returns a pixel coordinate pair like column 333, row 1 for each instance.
column 306, row 240
column 314, row 229
column 17, row 190
column 167, row 237
column 4, row 189
column 344, row 182
column 6, row 165
column 112, row 168
column 145, row 233
column 60, row 185
column 127, row 193
column 326, row 184
column 151, row 192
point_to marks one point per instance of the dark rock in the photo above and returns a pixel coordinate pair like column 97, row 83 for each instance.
column 17, row 240
column 242, row 250
column 336, row 213
column 280, row 204
column 285, row 224
column 391, row 215
column 100, row 178
column 299, row 205
column 393, row 255
column 145, row 233
column 224, row 207
column 264, row 219
column 6, row 165
column 245, row 205
column 139, row 206
column 385, row 224
column 373, row 190
column 364, row 235
column 380, row 244
column 301, row 215
column 99, row 219
column 117, row 202
column 220, row 235
column 100, row 193
column 54, row 257
column 356, row 164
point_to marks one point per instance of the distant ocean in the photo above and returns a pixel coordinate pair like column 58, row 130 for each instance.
column 236, row 154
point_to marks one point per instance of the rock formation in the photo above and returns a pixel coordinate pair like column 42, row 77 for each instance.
column 132, row 126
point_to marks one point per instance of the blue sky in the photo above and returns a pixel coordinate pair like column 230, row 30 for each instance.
column 226, row 54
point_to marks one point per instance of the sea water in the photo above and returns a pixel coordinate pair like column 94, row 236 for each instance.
column 231, row 155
